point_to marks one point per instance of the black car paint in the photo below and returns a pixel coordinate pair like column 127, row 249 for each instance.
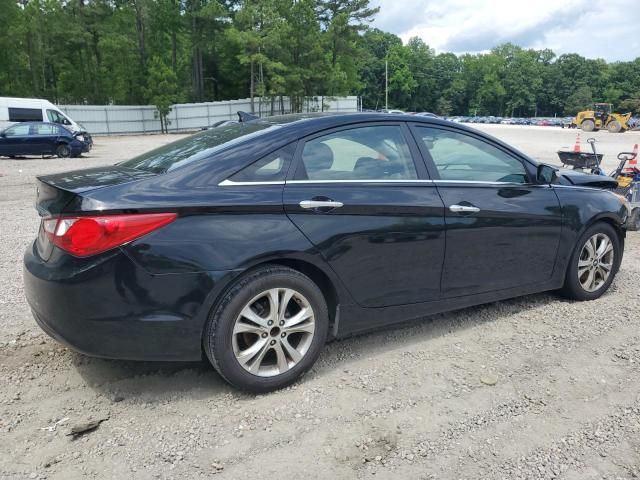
column 160, row 288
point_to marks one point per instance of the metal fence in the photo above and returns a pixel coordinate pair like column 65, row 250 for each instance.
column 136, row 119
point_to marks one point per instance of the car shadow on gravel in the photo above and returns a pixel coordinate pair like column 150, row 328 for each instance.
column 149, row 382
column 153, row 382
column 403, row 334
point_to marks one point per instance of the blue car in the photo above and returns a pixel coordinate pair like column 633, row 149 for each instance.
column 40, row 138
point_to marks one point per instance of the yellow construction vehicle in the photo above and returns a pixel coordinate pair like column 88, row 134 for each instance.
column 601, row 117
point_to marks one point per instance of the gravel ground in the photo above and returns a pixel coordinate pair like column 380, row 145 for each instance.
column 535, row 387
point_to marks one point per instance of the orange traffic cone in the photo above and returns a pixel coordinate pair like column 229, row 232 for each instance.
column 576, row 147
column 633, row 163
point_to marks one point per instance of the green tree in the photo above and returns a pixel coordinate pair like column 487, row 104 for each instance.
column 375, row 45
column 579, row 100
column 162, row 89
column 342, row 22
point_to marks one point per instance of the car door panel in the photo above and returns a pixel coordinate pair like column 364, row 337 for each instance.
column 44, row 138
column 385, row 237
column 16, row 141
column 500, row 234
column 511, row 241
column 386, row 242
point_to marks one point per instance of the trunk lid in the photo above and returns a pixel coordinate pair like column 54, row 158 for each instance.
column 55, row 192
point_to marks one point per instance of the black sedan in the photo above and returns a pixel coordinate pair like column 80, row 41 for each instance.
column 41, row 138
column 255, row 243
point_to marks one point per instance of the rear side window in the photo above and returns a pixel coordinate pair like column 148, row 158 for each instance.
column 17, row 131
column 460, row 157
column 365, row 153
column 25, row 115
column 196, row 147
column 272, row 168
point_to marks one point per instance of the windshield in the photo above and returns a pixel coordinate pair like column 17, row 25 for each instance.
column 196, row 147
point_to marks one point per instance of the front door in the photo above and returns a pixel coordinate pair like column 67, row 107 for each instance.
column 44, row 138
column 502, row 230
column 359, row 197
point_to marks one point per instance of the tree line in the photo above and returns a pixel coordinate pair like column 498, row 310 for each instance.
column 169, row 51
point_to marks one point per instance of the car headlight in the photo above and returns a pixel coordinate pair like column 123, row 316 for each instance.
column 80, row 137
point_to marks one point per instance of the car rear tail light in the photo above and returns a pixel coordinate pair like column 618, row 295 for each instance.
column 86, row 236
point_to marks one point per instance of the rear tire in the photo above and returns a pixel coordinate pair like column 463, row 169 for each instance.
column 614, row 127
column 63, row 151
column 593, row 265
column 254, row 337
column 588, row 125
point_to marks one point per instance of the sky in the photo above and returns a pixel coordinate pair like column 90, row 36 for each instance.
column 608, row 29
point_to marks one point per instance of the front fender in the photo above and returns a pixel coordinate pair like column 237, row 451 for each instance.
column 581, row 208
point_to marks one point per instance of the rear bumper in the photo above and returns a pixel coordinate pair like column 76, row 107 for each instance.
column 110, row 307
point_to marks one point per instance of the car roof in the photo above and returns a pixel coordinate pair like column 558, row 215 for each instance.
column 306, row 123
column 330, row 119
column 38, row 123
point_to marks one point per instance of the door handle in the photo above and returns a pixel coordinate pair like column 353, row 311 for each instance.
column 463, row 209
column 320, row 204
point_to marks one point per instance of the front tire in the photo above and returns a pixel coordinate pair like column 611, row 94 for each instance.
column 593, row 264
column 614, row 127
column 267, row 330
column 63, row 151
column 588, row 126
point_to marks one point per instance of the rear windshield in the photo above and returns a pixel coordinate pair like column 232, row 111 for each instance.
column 196, row 147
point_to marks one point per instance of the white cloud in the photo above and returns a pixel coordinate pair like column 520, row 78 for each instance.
column 604, row 29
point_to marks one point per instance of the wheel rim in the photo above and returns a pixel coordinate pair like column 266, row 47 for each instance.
column 63, row 151
column 273, row 332
column 596, row 262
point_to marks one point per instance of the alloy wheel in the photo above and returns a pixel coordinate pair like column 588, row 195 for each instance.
column 595, row 263
column 273, row 332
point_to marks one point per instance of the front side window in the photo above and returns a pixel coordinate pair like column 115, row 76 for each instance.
column 363, row 153
column 45, row 129
column 56, row 117
column 465, row 158
column 17, row 131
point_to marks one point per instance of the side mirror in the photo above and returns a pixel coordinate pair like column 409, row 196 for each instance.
column 3, row 135
column 545, row 174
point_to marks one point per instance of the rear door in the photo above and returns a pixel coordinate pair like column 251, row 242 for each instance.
column 15, row 140
column 359, row 196
column 502, row 229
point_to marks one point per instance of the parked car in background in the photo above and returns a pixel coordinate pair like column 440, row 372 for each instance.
column 254, row 243
column 40, row 138
column 14, row 110
column 427, row 114
column 393, row 111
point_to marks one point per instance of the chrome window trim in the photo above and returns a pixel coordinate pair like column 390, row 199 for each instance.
column 358, row 181
column 231, row 183
column 479, row 182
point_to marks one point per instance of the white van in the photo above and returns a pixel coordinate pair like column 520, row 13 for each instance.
column 14, row 110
